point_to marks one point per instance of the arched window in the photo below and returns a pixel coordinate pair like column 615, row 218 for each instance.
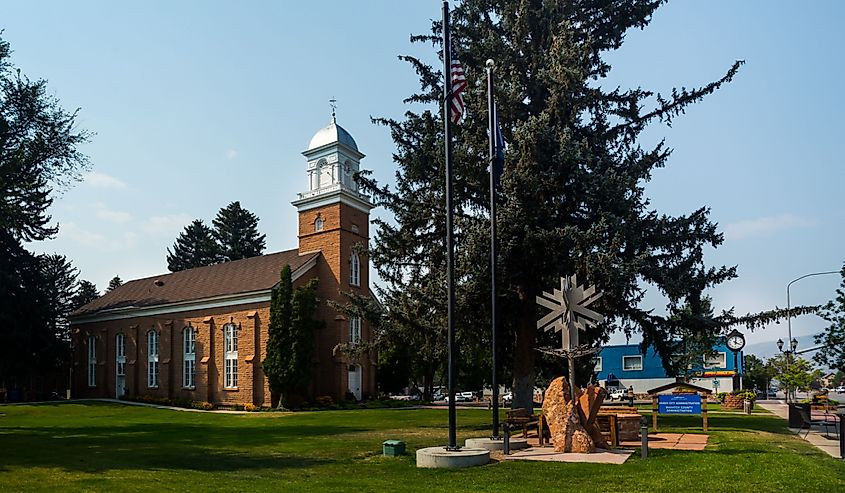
column 354, row 330
column 120, row 364
column 189, row 356
column 354, row 270
column 92, row 361
column 318, row 224
column 230, row 367
column 152, row 359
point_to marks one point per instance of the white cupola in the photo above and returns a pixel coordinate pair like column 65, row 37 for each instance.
column 333, row 159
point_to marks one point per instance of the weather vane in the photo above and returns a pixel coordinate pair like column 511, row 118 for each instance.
column 333, row 104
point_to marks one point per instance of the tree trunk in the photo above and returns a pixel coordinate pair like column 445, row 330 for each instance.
column 523, row 359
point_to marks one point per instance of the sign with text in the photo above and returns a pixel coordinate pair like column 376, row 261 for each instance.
column 679, row 404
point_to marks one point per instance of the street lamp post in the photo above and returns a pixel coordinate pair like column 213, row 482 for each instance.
column 793, row 342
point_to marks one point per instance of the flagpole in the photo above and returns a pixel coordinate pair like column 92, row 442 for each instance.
column 450, row 238
column 491, row 117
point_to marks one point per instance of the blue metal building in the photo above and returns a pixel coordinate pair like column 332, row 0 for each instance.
column 631, row 367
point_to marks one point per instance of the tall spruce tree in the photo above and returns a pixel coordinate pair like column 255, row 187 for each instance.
column 290, row 343
column 38, row 153
column 114, row 283
column 59, row 287
column 572, row 199
column 236, row 232
column 195, row 247
column 86, row 292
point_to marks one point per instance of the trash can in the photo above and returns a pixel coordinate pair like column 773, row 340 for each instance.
column 795, row 420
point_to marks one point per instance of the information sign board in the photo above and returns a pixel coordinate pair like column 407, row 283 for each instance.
column 679, row 404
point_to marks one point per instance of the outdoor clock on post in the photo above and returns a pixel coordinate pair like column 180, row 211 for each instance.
column 735, row 342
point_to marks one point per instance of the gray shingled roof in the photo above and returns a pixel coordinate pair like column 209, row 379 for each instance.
column 239, row 276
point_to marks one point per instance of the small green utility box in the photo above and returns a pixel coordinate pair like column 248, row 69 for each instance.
column 393, row 448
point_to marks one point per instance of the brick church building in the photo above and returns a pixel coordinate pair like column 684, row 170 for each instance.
column 201, row 334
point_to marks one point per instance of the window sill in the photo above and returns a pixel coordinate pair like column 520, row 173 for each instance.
column 152, row 387
column 190, row 388
column 230, row 389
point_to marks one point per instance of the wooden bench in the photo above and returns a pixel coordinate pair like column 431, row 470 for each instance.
column 608, row 421
column 523, row 418
column 619, row 410
column 607, row 425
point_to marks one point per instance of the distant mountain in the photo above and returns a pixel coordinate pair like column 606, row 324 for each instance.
column 770, row 348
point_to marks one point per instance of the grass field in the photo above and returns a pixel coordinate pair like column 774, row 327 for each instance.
column 112, row 447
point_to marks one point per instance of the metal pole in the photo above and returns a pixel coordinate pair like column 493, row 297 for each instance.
column 450, row 237
column 737, row 379
column 570, row 359
column 491, row 117
column 789, row 314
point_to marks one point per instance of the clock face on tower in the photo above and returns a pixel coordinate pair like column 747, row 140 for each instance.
column 735, row 341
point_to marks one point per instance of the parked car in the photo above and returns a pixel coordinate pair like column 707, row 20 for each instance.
column 771, row 394
column 462, row 397
column 840, row 389
column 617, row 393
column 507, row 398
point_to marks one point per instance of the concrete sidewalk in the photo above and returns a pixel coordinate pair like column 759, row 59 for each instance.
column 816, row 437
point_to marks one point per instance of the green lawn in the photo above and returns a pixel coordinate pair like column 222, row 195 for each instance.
column 112, row 447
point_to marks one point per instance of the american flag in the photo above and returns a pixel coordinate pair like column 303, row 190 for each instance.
column 459, row 83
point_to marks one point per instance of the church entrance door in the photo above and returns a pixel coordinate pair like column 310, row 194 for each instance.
column 355, row 381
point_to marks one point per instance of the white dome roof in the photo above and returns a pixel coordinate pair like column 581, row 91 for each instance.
column 331, row 134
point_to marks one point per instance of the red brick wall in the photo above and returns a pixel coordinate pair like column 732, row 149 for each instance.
column 330, row 375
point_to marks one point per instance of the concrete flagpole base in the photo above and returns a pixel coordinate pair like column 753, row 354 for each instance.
column 440, row 458
column 496, row 445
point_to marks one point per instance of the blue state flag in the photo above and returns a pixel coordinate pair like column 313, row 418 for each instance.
column 499, row 146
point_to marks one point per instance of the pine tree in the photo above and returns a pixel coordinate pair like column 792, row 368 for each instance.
column 59, row 287
column 832, row 339
column 236, row 232
column 195, row 247
column 86, row 292
column 115, row 283
column 572, row 198
column 290, row 344
column 38, row 153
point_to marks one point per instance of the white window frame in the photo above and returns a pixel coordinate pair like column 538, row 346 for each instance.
column 120, row 354
column 189, row 358
column 92, row 361
column 598, row 366
column 152, row 358
column 354, row 270
column 637, row 357
column 722, row 363
column 230, row 356
column 354, row 330
column 318, row 224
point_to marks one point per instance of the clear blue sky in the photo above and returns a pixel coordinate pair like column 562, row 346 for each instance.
column 196, row 104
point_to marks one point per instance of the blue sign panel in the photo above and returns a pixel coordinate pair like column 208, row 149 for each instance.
column 679, row 404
